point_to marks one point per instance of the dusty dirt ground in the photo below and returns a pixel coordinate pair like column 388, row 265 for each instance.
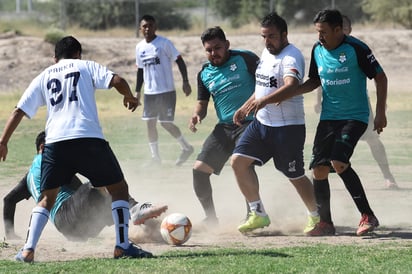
column 22, row 58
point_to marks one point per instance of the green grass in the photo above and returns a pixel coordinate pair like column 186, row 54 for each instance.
column 127, row 132
column 384, row 258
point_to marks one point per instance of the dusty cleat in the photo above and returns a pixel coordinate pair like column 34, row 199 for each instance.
column 25, row 255
column 322, row 229
column 311, row 224
column 184, row 155
column 133, row 251
column 254, row 222
column 367, row 224
column 144, row 211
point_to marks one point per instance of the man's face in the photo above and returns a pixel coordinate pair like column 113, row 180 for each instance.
column 217, row 51
column 329, row 37
column 148, row 29
column 274, row 40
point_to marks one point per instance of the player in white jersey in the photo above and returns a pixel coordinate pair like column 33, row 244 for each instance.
column 154, row 58
column 278, row 131
column 74, row 140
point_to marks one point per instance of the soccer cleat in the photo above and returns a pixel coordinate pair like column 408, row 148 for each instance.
column 367, row 224
column 142, row 212
column 322, row 229
column 391, row 184
column 29, row 258
column 311, row 224
column 133, row 251
column 253, row 222
column 153, row 163
column 184, row 155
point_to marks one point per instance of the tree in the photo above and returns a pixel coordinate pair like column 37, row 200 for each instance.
column 397, row 11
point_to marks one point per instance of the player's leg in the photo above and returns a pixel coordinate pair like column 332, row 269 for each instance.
column 250, row 150
column 167, row 103
column 215, row 151
column 347, row 138
column 150, row 114
column 97, row 162
column 320, row 165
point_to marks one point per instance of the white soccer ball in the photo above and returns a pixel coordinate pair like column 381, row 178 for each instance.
column 176, row 229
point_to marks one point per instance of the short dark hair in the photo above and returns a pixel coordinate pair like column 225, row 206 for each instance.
column 332, row 17
column 274, row 20
column 67, row 47
column 147, row 17
column 40, row 140
column 212, row 33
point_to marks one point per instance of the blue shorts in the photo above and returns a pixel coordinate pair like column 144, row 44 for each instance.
column 90, row 157
column 335, row 140
column 160, row 106
column 284, row 144
column 219, row 145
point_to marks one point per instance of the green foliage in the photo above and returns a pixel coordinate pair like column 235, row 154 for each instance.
column 53, row 35
column 396, row 11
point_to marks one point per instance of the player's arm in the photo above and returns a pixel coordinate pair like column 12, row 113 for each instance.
column 243, row 111
column 121, row 85
column 139, row 82
column 381, row 83
column 187, row 89
column 17, row 194
column 11, row 124
column 199, row 113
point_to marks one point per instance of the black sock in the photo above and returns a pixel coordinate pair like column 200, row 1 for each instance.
column 322, row 194
column 203, row 190
column 354, row 186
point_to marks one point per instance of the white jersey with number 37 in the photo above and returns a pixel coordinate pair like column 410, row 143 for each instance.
column 67, row 88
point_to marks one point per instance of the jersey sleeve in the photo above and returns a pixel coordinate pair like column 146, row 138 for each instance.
column 251, row 60
column 366, row 60
column 202, row 92
column 32, row 98
column 313, row 68
column 171, row 50
column 100, row 74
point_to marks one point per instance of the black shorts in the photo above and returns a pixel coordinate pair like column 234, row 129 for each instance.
column 160, row 106
column 84, row 214
column 336, row 140
column 283, row 144
column 90, row 157
column 219, row 145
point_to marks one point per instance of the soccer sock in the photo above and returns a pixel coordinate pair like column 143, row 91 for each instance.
column 154, row 149
column 38, row 221
column 183, row 143
column 354, row 186
column 203, row 190
column 322, row 195
column 120, row 213
column 257, row 206
column 313, row 213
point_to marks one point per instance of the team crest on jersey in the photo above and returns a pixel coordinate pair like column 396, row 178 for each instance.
column 342, row 57
column 233, row 67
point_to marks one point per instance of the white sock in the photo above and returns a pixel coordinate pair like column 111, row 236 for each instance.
column 257, row 206
column 120, row 213
column 38, row 220
column 313, row 213
column 154, row 149
column 183, row 143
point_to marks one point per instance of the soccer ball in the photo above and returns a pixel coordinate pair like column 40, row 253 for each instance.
column 176, row 229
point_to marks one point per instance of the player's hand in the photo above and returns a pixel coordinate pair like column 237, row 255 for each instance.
column 187, row 89
column 131, row 102
column 239, row 116
column 193, row 122
column 3, row 151
column 379, row 123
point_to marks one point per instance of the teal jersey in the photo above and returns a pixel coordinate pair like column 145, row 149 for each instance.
column 230, row 85
column 343, row 73
column 33, row 185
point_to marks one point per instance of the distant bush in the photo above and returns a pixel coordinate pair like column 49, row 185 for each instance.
column 53, row 35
